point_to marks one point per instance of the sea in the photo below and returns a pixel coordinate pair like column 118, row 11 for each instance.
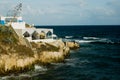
column 98, row 57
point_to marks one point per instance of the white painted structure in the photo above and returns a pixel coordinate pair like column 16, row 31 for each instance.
column 10, row 19
column 39, row 30
column 19, row 26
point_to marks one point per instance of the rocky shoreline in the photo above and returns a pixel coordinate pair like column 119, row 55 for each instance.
column 17, row 56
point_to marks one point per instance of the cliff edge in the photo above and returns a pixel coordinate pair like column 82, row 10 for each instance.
column 18, row 55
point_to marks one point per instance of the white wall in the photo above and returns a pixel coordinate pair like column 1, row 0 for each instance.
column 18, row 25
column 31, row 30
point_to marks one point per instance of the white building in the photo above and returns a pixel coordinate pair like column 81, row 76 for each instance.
column 32, row 34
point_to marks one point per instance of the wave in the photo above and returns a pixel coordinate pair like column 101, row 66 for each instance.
column 83, row 41
column 97, row 40
column 68, row 37
column 40, row 68
column 71, row 37
column 105, row 41
column 112, row 43
column 37, row 70
column 91, row 38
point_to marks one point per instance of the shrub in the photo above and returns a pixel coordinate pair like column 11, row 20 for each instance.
column 23, row 50
column 7, row 40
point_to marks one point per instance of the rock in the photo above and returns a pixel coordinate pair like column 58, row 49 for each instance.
column 20, row 55
column 52, row 52
column 50, row 57
column 46, row 53
column 15, row 63
column 72, row 45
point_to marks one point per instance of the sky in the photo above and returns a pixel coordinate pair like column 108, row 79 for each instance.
column 66, row 12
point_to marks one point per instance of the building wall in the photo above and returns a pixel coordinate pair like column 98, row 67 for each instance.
column 39, row 31
column 19, row 32
column 7, row 20
column 2, row 22
column 20, row 25
column 31, row 30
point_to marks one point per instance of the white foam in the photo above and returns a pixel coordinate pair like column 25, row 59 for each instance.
column 29, row 74
column 7, row 77
column 68, row 37
column 71, row 60
column 39, row 68
column 91, row 38
column 24, row 75
column 57, row 64
column 4, row 78
column 94, row 39
column 84, row 41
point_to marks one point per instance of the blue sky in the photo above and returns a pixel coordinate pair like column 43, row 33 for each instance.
column 66, row 12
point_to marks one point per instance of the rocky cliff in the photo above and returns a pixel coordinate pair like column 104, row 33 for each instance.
column 18, row 55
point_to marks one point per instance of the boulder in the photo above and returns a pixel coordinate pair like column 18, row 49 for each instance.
column 72, row 45
column 52, row 52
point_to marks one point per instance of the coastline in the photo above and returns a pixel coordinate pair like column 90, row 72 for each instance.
column 17, row 55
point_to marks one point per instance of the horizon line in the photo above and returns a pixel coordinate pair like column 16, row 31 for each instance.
column 77, row 25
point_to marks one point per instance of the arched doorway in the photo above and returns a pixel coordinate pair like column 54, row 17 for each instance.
column 26, row 34
column 49, row 34
column 35, row 35
column 42, row 35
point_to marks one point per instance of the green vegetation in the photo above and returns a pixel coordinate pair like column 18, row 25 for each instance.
column 24, row 51
column 15, row 56
column 7, row 36
column 28, row 25
column 9, row 39
column 2, row 51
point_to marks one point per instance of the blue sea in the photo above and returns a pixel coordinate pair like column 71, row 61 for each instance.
column 98, row 57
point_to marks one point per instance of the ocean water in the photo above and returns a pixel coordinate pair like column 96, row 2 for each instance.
column 98, row 57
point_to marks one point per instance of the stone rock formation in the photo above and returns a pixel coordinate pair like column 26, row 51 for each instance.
column 17, row 54
column 72, row 45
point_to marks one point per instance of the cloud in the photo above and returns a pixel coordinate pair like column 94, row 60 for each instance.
column 29, row 10
column 115, row 5
column 6, row 6
column 82, row 3
column 4, row 2
column 104, row 12
column 66, row 11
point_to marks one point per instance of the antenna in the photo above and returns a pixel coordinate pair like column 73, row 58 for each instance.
column 16, row 11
